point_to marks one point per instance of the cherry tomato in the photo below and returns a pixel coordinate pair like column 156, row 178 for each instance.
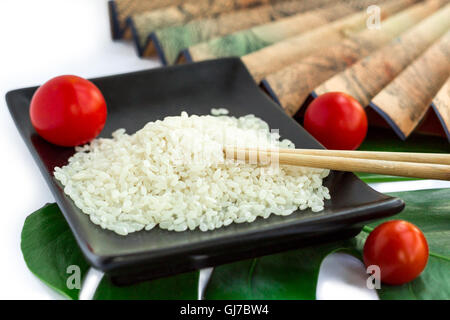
column 68, row 111
column 399, row 248
column 336, row 120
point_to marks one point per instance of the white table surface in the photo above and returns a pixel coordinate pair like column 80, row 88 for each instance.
column 45, row 38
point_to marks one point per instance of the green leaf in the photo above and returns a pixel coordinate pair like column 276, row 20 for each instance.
column 430, row 211
column 293, row 274
column 287, row 275
column 432, row 284
column 49, row 248
column 180, row 287
column 375, row 178
column 386, row 140
column 378, row 139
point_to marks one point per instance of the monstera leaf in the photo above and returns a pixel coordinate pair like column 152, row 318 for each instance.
column 51, row 253
column 386, row 140
column 430, row 211
column 180, row 287
column 49, row 250
column 287, row 275
column 293, row 275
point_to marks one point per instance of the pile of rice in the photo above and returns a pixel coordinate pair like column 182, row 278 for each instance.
column 172, row 174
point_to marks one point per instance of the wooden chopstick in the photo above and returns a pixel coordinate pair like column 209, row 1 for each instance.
column 437, row 158
column 359, row 161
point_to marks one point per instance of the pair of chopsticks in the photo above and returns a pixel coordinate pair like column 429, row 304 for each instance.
column 406, row 164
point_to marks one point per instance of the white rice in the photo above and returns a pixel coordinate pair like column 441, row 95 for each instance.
column 172, row 174
column 219, row 111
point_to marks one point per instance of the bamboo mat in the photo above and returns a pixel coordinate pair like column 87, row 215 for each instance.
column 249, row 40
column 293, row 84
column 172, row 40
column 298, row 49
column 142, row 25
column 349, row 15
column 285, row 53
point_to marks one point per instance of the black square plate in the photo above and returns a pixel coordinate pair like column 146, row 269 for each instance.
column 135, row 98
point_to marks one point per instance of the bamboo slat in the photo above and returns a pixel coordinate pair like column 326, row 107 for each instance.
column 125, row 8
column 405, row 101
column 441, row 106
column 367, row 77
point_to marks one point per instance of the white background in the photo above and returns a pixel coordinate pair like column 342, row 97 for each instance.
column 45, row 38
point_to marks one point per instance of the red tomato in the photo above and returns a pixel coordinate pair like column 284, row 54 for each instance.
column 68, row 111
column 399, row 248
column 336, row 120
